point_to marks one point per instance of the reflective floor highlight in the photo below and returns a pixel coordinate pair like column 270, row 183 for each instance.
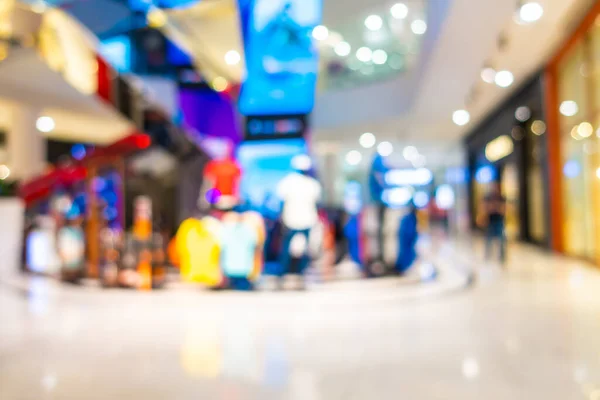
column 531, row 331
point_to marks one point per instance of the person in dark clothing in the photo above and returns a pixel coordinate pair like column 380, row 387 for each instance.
column 494, row 207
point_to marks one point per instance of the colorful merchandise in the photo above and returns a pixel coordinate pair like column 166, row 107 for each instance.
column 239, row 243
column 199, row 252
column 224, row 175
column 257, row 222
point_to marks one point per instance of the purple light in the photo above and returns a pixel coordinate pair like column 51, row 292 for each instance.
column 98, row 184
column 213, row 196
column 78, row 151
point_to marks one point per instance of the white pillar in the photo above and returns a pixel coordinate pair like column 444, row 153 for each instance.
column 26, row 145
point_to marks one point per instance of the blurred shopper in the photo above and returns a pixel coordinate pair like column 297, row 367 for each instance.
column 407, row 236
column 494, row 213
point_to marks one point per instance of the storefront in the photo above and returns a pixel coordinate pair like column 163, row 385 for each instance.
column 509, row 149
column 573, row 104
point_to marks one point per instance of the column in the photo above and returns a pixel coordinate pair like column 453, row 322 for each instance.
column 26, row 145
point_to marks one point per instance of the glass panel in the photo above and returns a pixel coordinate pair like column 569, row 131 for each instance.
column 573, row 97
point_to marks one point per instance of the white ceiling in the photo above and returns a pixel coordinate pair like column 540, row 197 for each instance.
column 25, row 80
column 418, row 108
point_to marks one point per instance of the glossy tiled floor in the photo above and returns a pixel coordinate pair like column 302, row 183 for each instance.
column 530, row 332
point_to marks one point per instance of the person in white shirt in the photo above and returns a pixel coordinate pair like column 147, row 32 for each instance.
column 300, row 194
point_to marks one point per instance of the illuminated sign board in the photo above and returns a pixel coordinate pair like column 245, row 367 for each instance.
column 275, row 127
column 408, row 177
column 281, row 56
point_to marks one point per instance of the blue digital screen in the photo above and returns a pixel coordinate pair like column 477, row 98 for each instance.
column 117, row 52
column 264, row 164
column 144, row 5
column 281, row 57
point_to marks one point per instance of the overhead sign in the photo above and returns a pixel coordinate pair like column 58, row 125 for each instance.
column 272, row 127
column 281, row 56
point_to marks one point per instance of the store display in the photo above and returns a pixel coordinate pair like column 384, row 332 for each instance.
column 199, row 251
column 239, row 243
column 71, row 247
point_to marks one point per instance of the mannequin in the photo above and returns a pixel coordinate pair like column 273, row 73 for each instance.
column 239, row 242
column 300, row 194
column 222, row 180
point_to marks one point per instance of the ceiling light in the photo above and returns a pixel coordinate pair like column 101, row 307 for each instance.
column 461, row 117
column 385, row 149
column 373, row 22
column 531, row 12
column 379, row 57
column 410, row 152
column 342, row 49
column 523, row 114
column 399, row 11
column 220, row 84
column 232, row 57
column 569, row 108
column 585, row 130
column 364, row 54
column 598, row 173
column 156, row 18
column 45, row 124
column 367, row 140
column 538, row 127
column 504, row 79
column 488, row 75
column 320, row 32
column 418, row 27
column 4, row 172
column 353, row 157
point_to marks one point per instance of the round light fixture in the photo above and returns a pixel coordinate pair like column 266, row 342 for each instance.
column 531, row 12
column 353, row 157
column 220, row 84
column 367, row 140
column 342, row 49
column 421, row 199
column 410, row 153
column 538, row 127
column 585, row 130
column 45, row 124
column 523, row 114
column 461, row 117
column 569, row 108
column 4, row 172
column 488, row 75
column 232, row 57
column 418, row 26
column 379, row 57
column 504, row 79
column 364, row 54
column 320, row 32
column 373, row 22
column 399, row 11
column 385, row 149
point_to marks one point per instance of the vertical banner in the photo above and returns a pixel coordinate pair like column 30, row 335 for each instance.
column 281, row 56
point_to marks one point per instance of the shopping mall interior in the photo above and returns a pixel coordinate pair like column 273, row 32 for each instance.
column 381, row 199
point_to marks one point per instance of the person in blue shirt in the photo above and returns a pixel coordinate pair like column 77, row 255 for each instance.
column 407, row 237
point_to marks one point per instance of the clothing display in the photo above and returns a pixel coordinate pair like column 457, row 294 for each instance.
column 257, row 222
column 199, row 251
column 224, row 175
column 238, row 246
column 71, row 249
column 300, row 194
